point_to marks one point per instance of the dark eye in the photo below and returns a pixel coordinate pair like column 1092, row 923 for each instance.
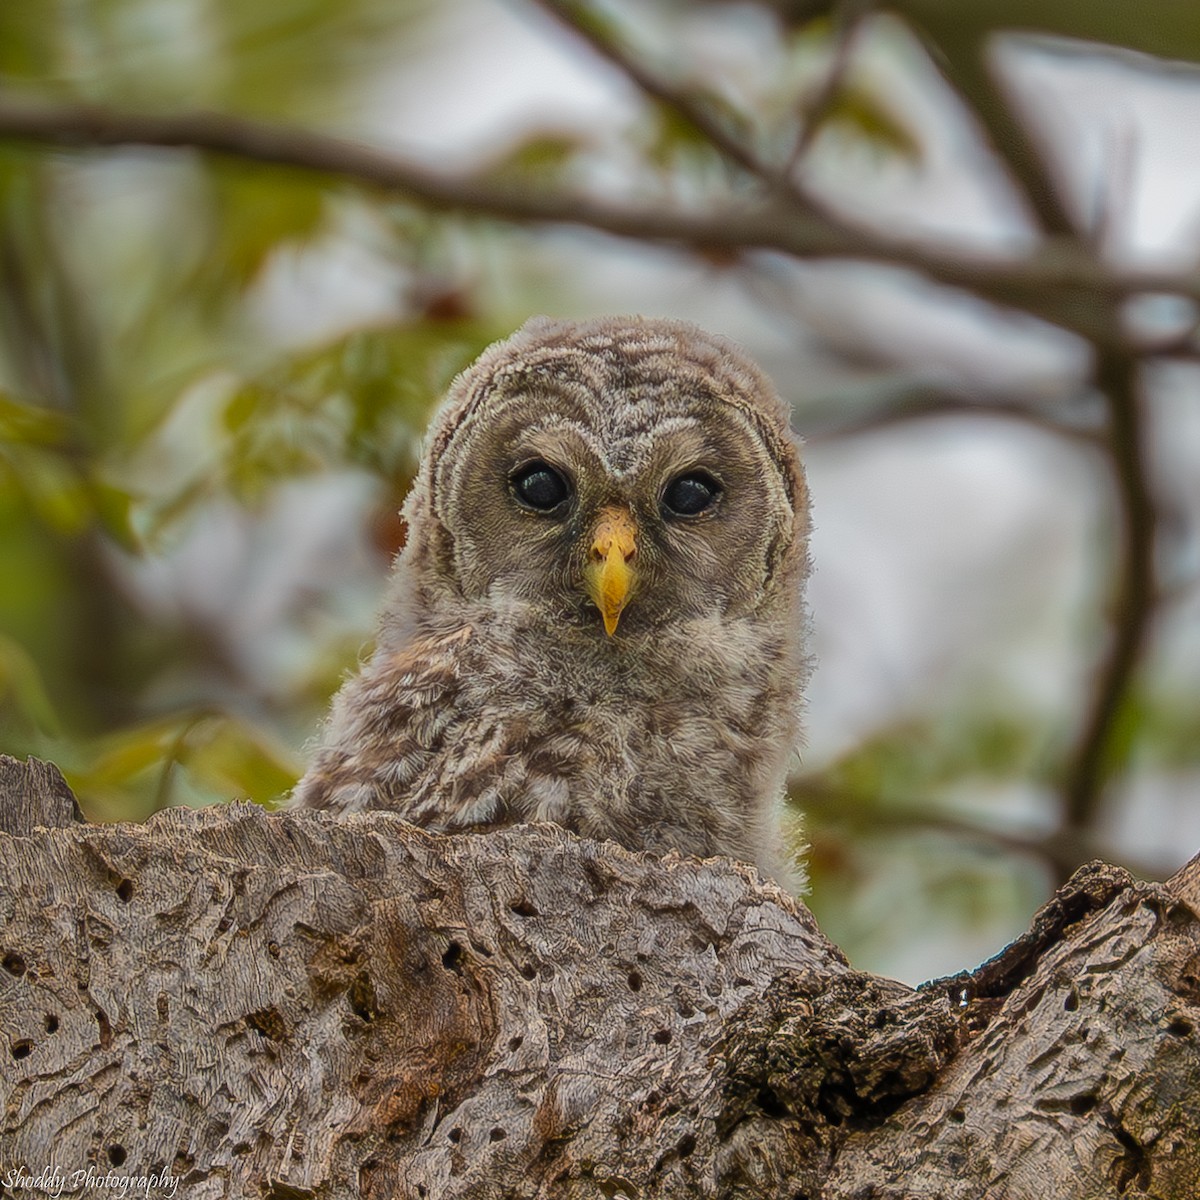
column 539, row 486
column 689, row 495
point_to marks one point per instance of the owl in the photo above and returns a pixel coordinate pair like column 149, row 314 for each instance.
column 597, row 617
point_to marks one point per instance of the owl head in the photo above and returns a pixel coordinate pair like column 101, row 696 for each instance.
column 609, row 478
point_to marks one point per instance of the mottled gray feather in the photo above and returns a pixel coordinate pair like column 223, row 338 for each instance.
column 494, row 694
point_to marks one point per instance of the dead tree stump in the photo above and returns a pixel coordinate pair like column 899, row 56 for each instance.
column 284, row 1005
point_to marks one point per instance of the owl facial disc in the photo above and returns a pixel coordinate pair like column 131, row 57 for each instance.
column 608, row 576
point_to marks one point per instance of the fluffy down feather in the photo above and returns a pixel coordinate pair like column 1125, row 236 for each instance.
column 495, row 694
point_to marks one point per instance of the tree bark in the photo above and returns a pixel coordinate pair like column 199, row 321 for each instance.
column 287, row 1005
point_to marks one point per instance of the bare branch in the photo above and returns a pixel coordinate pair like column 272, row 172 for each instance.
column 964, row 67
column 1050, row 284
column 922, row 402
column 849, row 19
column 1061, row 851
column 1136, row 599
column 584, row 24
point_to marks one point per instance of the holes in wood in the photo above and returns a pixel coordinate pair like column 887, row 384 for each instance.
column 687, row 1144
column 1071, row 1003
column 1132, row 1168
column 269, row 1022
column 452, row 958
column 523, row 908
column 279, row 1190
column 116, row 1154
column 22, row 1048
column 1078, row 1105
column 528, row 971
column 515, row 1043
column 124, row 889
column 663, row 1037
column 51, row 1022
column 497, row 1135
column 1180, row 1027
column 362, row 998
column 634, row 980
column 957, row 1116
column 455, row 1134
column 13, row 963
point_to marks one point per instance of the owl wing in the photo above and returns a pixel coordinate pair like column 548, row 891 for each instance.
column 388, row 730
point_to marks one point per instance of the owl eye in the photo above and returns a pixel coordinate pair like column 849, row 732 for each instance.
column 539, row 486
column 690, row 495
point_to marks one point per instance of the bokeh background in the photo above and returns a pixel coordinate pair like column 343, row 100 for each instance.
column 963, row 238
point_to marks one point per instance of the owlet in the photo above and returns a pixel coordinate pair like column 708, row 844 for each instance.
column 597, row 617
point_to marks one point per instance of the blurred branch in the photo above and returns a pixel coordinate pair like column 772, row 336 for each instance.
column 1062, row 851
column 848, row 18
column 586, row 25
column 964, row 67
column 1135, row 602
column 923, row 402
column 1057, row 283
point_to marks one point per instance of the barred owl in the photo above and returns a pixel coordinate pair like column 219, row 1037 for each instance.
column 597, row 618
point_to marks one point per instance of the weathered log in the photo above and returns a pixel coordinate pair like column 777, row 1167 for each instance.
column 289, row 1005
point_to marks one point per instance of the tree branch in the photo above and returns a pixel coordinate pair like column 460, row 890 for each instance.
column 1061, row 851
column 585, row 25
column 922, row 402
column 1048, row 284
column 1135, row 603
column 964, row 68
column 294, row 1005
column 848, row 18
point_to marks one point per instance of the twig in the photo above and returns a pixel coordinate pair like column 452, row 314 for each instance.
column 1062, row 850
column 849, row 19
column 926, row 402
column 1045, row 284
column 584, row 24
column 964, row 67
column 1136, row 598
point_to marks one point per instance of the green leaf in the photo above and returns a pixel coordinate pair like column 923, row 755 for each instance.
column 540, row 158
column 21, row 681
column 120, row 758
column 861, row 116
column 21, row 422
column 28, row 42
column 256, row 212
column 911, row 761
column 362, row 399
column 237, row 761
column 51, row 485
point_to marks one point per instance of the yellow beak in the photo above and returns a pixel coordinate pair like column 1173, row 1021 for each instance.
column 608, row 576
